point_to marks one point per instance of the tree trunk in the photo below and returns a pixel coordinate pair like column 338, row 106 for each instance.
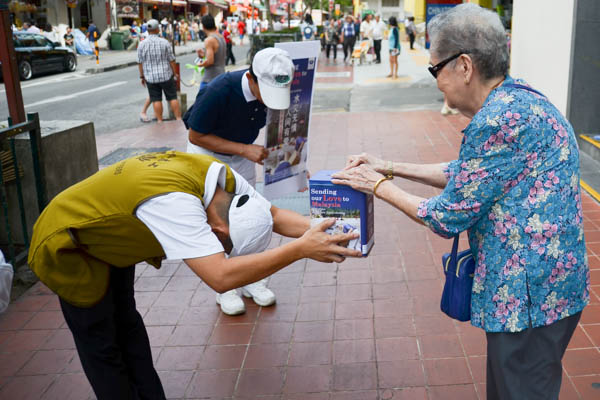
column 269, row 16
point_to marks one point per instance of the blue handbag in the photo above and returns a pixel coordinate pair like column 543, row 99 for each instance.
column 459, row 269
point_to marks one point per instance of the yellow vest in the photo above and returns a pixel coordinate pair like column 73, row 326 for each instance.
column 92, row 224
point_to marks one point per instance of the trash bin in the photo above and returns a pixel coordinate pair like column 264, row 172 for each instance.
column 116, row 40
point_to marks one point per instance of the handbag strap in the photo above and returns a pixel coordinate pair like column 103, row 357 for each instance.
column 518, row 86
column 454, row 253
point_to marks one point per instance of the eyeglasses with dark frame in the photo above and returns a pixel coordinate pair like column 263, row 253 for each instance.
column 437, row 67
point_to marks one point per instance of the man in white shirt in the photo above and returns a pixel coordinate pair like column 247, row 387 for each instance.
column 378, row 30
column 366, row 27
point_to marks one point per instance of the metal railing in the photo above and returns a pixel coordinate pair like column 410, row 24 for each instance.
column 10, row 171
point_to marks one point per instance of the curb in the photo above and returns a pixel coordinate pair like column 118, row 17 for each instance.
column 125, row 64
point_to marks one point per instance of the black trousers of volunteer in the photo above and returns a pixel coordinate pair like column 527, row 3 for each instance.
column 527, row 365
column 377, row 45
column 113, row 344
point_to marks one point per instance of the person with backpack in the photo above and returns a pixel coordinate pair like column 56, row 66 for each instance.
column 308, row 28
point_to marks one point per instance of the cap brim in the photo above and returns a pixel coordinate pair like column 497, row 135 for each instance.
column 275, row 98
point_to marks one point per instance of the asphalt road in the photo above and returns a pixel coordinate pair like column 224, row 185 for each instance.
column 112, row 100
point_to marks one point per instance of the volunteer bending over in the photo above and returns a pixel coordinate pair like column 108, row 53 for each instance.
column 147, row 208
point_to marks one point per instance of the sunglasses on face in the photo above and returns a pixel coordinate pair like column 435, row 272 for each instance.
column 437, row 67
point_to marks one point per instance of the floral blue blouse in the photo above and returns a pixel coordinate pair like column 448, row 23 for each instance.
column 515, row 189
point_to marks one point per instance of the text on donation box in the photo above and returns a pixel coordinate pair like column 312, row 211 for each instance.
column 352, row 210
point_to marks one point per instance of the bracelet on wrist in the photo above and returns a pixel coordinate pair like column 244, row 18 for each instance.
column 379, row 182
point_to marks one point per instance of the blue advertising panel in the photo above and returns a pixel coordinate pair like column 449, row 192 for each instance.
column 435, row 7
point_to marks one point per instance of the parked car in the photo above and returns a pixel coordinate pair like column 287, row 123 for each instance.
column 36, row 54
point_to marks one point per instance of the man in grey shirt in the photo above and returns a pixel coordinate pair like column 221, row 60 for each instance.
column 156, row 63
column 214, row 53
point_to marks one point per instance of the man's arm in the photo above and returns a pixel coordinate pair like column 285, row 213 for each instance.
column 222, row 274
column 211, row 47
column 289, row 223
column 141, row 69
column 174, row 69
column 252, row 152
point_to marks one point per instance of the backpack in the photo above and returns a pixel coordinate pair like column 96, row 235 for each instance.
column 308, row 32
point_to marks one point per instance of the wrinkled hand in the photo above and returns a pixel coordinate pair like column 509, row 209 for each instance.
column 355, row 160
column 323, row 247
column 255, row 153
column 362, row 178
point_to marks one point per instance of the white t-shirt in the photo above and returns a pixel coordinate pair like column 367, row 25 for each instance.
column 366, row 29
column 378, row 29
column 178, row 220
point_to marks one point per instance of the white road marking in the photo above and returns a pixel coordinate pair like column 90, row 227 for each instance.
column 62, row 78
column 74, row 95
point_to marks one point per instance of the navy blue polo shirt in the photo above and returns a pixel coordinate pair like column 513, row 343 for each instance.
column 222, row 110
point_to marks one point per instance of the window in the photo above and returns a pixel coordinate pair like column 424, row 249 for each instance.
column 42, row 41
column 390, row 3
column 26, row 41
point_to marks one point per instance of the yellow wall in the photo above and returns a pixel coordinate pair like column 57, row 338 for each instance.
column 416, row 8
column 482, row 3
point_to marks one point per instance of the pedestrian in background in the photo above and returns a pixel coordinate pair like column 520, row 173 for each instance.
column 183, row 31
column 348, row 37
column 214, row 52
column 366, row 28
column 194, row 30
column 308, row 28
column 156, row 64
column 241, row 26
column 332, row 39
column 378, row 31
column 411, row 30
column 515, row 189
column 69, row 38
column 50, row 33
column 229, row 45
column 93, row 34
column 394, row 44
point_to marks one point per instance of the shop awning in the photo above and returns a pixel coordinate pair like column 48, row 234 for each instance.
column 196, row 1
column 177, row 3
column 220, row 3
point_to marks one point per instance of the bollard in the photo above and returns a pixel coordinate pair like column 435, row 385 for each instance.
column 178, row 81
column 96, row 49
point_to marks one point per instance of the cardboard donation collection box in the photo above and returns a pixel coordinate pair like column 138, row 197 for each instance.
column 353, row 210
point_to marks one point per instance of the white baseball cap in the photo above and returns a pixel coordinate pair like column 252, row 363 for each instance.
column 275, row 70
column 250, row 225
column 152, row 24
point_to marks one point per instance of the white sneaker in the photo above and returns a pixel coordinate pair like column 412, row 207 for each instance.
column 231, row 302
column 259, row 293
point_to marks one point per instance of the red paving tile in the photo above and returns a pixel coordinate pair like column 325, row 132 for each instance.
column 365, row 329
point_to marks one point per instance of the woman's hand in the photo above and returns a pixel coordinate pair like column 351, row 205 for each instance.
column 355, row 160
column 362, row 178
column 323, row 247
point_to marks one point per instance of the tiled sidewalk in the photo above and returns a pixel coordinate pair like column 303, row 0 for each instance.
column 364, row 329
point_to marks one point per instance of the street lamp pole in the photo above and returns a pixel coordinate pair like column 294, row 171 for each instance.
column 172, row 28
column 8, row 57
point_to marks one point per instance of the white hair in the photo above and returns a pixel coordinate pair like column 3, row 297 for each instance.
column 473, row 30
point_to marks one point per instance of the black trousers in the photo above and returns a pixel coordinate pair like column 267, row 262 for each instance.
column 527, row 365
column 329, row 47
column 229, row 55
column 348, row 46
column 411, row 37
column 112, row 343
column 377, row 45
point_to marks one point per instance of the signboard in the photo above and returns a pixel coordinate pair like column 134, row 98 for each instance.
column 337, row 9
column 435, row 7
column 287, row 131
column 128, row 9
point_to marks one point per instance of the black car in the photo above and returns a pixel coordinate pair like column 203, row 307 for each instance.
column 36, row 54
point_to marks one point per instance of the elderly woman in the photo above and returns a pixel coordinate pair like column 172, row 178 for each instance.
column 515, row 189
